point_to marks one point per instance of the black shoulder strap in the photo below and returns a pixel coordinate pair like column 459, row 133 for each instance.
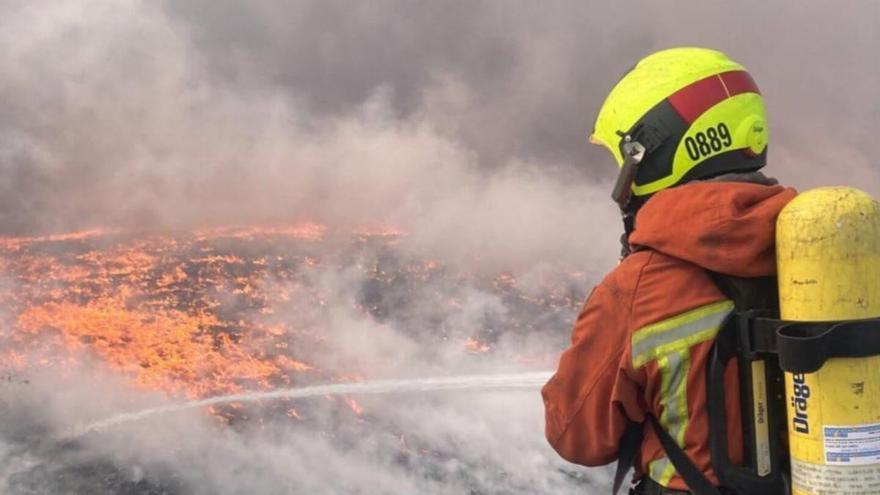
column 630, row 446
column 747, row 336
column 748, row 293
column 689, row 472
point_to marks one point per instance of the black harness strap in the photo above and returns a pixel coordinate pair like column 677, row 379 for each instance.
column 762, row 472
column 630, row 446
column 689, row 472
column 631, row 443
column 804, row 347
column 748, row 337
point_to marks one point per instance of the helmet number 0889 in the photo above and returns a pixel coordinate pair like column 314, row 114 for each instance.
column 713, row 140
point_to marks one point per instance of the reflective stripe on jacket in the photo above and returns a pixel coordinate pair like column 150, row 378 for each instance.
column 642, row 341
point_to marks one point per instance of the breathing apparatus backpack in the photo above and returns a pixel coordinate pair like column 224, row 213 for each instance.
column 761, row 389
column 811, row 422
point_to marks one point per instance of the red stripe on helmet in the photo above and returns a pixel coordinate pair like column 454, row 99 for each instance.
column 738, row 82
column 692, row 100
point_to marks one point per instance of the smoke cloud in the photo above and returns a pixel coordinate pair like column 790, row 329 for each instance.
column 462, row 123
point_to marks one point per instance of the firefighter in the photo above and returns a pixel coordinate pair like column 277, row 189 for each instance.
column 688, row 128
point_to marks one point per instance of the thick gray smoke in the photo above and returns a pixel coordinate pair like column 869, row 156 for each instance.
column 216, row 112
column 115, row 113
column 464, row 123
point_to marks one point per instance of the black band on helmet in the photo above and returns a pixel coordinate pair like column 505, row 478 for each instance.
column 732, row 161
column 661, row 130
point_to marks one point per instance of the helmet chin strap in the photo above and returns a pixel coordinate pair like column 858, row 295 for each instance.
column 633, row 154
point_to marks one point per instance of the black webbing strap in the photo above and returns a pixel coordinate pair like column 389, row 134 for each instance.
column 696, row 481
column 631, row 443
column 746, row 337
column 630, row 446
column 761, row 333
column 744, row 341
column 804, row 347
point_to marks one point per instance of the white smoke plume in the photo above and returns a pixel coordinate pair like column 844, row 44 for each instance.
column 462, row 123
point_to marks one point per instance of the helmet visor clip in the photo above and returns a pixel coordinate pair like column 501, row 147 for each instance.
column 633, row 153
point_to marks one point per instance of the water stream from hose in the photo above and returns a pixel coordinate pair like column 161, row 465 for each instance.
column 509, row 381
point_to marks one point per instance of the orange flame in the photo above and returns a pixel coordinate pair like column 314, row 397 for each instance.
column 306, row 231
column 151, row 308
column 475, row 346
column 167, row 350
column 194, row 314
column 355, row 407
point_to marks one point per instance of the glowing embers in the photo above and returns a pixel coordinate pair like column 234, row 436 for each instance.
column 475, row 346
column 167, row 350
column 308, row 231
column 245, row 309
column 186, row 314
column 13, row 243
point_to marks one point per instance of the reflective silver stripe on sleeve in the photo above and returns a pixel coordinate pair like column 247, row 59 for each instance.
column 679, row 332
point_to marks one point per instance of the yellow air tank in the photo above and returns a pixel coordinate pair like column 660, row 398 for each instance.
column 828, row 252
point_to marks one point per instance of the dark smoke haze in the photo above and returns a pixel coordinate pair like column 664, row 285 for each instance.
column 194, row 112
column 462, row 122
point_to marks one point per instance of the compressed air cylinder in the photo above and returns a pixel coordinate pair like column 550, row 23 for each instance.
column 828, row 253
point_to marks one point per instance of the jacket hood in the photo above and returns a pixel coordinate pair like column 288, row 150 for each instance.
column 725, row 227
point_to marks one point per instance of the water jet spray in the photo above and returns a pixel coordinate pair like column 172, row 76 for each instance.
column 509, row 381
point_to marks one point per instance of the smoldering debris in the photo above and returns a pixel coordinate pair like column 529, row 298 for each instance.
column 239, row 310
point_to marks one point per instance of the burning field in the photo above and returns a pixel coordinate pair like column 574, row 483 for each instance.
column 118, row 321
column 355, row 236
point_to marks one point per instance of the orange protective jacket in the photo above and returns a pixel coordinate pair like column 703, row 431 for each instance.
column 642, row 340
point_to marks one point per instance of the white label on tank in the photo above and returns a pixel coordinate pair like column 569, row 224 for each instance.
column 819, row 479
column 852, row 445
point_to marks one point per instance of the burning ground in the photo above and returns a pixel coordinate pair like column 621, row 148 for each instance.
column 114, row 113
column 100, row 322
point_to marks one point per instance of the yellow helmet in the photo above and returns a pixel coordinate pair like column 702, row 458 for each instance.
column 695, row 114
